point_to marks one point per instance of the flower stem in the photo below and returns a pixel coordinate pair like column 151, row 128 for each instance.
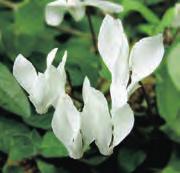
column 146, row 98
column 72, row 31
column 8, row 4
column 93, row 35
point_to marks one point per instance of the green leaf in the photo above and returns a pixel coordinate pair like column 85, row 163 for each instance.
column 49, row 168
column 8, row 129
column 13, row 43
column 172, row 129
column 167, row 96
column 174, row 163
column 146, row 28
column 173, row 64
column 129, row 159
column 166, row 20
column 12, row 169
column 46, row 167
column 52, row 147
column 27, row 44
column 105, row 72
column 29, row 17
column 168, row 103
column 169, row 169
column 81, row 61
column 24, row 146
column 17, row 140
column 40, row 121
column 6, row 18
column 12, row 98
column 151, row 2
column 137, row 6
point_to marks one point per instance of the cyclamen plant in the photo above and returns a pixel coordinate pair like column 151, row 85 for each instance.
column 77, row 130
column 69, row 125
column 55, row 11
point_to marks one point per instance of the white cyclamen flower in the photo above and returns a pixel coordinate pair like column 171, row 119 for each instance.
column 55, row 11
column 176, row 21
column 106, row 128
column 66, row 125
column 126, row 66
column 77, row 130
column 43, row 88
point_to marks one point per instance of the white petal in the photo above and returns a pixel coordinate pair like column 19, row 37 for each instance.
column 96, row 120
column 176, row 21
column 51, row 56
column 66, row 126
column 123, row 121
column 73, row 2
column 49, row 87
column 24, row 72
column 39, row 94
column 146, row 55
column 54, row 12
column 107, row 7
column 63, row 62
column 77, row 11
column 61, row 69
column 114, row 49
column 119, row 95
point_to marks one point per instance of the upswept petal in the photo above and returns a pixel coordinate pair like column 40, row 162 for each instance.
column 56, row 81
column 51, row 56
column 54, row 12
column 38, row 96
column 50, row 85
column 56, row 78
column 123, row 122
column 77, row 11
column 66, row 126
column 24, row 72
column 176, row 21
column 61, row 70
column 145, row 57
column 114, row 49
column 63, row 62
column 113, row 45
column 45, row 88
column 96, row 120
column 107, row 7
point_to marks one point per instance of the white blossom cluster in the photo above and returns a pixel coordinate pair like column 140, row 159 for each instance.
column 96, row 122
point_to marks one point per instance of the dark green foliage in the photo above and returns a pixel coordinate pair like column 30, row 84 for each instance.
column 27, row 143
